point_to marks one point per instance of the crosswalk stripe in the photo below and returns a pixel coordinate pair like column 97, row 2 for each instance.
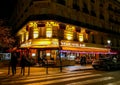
column 68, row 79
column 91, row 81
column 114, row 83
column 44, row 75
column 52, row 77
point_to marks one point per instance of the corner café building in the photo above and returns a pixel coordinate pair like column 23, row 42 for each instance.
column 50, row 40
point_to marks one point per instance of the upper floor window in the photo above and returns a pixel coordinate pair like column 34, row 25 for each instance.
column 93, row 1
column 102, row 40
column 93, row 10
column 93, row 38
column 27, row 35
column 93, row 13
column 61, row 2
column 101, row 3
column 85, row 8
column 48, row 30
column 101, row 15
column 76, row 5
column 35, row 33
column 110, row 7
column 69, row 32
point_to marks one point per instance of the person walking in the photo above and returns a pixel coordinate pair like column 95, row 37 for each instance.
column 13, row 62
column 23, row 64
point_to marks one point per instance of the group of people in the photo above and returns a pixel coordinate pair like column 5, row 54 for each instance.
column 14, row 62
column 83, row 60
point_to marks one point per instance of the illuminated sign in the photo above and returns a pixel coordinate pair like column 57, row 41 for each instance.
column 72, row 44
column 44, row 43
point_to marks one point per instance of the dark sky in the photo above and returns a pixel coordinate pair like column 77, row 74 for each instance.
column 6, row 8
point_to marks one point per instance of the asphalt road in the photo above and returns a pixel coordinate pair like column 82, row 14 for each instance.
column 86, row 77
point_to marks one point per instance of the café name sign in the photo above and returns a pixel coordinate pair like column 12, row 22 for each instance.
column 72, row 44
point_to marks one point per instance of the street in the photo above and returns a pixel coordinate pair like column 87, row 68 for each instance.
column 85, row 77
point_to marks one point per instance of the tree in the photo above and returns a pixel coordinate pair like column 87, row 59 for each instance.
column 7, row 40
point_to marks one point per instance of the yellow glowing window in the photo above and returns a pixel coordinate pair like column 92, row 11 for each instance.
column 27, row 36
column 80, row 37
column 48, row 30
column 22, row 37
column 48, row 33
column 68, row 35
column 35, row 34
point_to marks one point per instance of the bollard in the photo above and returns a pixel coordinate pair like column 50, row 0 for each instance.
column 60, row 62
column 28, row 70
column 9, row 69
column 47, row 67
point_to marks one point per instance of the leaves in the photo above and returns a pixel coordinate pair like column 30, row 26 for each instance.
column 6, row 38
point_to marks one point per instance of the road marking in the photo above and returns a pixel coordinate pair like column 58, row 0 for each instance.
column 49, row 75
column 67, row 79
column 114, row 83
column 62, row 78
column 91, row 81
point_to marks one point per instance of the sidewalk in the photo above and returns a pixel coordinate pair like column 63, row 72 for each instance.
column 49, row 70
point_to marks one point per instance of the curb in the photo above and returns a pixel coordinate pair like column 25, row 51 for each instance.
column 84, row 69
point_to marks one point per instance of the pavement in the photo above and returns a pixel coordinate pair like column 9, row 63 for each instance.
column 49, row 70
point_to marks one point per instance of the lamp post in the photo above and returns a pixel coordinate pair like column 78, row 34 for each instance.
column 108, row 44
column 60, row 57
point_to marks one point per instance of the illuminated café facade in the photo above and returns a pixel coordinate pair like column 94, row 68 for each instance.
column 72, row 28
column 48, row 38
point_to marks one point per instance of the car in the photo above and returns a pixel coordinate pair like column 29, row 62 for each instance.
column 107, row 63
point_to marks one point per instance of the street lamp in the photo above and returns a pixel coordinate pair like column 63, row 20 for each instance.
column 109, row 44
column 108, row 41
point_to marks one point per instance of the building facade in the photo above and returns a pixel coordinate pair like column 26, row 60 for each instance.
column 67, row 29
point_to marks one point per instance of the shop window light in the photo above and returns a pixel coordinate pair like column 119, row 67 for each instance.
column 80, row 37
column 49, row 34
column 48, row 30
column 35, row 34
column 22, row 37
column 27, row 36
column 69, row 37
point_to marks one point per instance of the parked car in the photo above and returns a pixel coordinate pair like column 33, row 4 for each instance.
column 108, row 63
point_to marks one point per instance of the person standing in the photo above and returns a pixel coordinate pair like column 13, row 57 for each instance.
column 23, row 64
column 13, row 62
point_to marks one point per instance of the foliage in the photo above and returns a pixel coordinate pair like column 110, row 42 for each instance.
column 6, row 38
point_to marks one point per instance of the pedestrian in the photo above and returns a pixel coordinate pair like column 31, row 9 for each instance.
column 83, row 60
column 13, row 62
column 23, row 64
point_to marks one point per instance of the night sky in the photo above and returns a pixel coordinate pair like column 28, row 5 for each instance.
column 6, row 8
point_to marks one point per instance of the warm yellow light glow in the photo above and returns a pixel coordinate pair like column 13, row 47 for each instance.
column 69, row 32
column 22, row 37
column 70, row 28
column 27, row 35
column 54, row 23
column 26, row 44
column 49, row 34
column 35, row 34
column 48, row 30
column 31, row 24
column 69, row 37
column 80, row 37
column 82, row 30
column 45, row 42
